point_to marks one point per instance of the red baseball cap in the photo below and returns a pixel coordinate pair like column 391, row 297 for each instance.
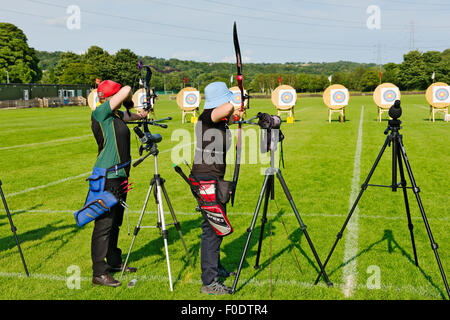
column 107, row 88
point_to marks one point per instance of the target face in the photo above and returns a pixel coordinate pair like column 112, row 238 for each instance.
column 441, row 94
column 339, row 97
column 191, row 99
column 141, row 100
column 389, row 95
column 96, row 100
column 236, row 99
column 287, row 97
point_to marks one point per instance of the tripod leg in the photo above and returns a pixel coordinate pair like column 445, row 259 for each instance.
column 264, row 218
column 302, row 226
column 394, row 162
column 138, row 227
column 13, row 229
column 163, row 227
column 363, row 188
column 405, row 196
column 264, row 190
column 175, row 221
column 416, row 191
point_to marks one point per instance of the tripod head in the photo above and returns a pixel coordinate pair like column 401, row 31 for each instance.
column 395, row 112
column 148, row 140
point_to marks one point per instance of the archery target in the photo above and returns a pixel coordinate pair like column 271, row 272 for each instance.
column 236, row 100
column 191, row 99
column 141, row 99
column 287, row 97
column 338, row 97
column 93, row 99
column 441, row 94
column 389, row 95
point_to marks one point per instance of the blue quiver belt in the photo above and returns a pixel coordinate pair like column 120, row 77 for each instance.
column 97, row 201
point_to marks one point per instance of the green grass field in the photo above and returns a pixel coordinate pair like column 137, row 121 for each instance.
column 46, row 154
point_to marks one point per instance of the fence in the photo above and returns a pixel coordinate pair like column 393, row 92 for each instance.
column 44, row 102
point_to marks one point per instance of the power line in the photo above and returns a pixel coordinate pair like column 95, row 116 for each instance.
column 284, row 46
column 362, row 7
column 284, row 13
column 326, row 45
column 306, row 44
column 420, row 4
column 265, row 19
column 361, row 25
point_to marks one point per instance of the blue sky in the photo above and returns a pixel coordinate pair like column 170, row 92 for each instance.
column 269, row 31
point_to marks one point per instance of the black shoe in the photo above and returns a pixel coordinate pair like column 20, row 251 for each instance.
column 215, row 288
column 127, row 269
column 223, row 273
column 105, row 280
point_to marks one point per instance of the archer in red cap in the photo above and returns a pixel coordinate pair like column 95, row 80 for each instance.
column 107, row 88
column 117, row 96
column 112, row 135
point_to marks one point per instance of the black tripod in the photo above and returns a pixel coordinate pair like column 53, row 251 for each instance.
column 267, row 191
column 13, row 228
column 398, row 155
column 157, row 185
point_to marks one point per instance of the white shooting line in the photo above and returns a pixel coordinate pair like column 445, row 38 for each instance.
column 351, row 241
column 28, row 145
column 75, row 177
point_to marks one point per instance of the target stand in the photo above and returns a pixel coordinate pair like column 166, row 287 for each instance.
column 284, row 98
column 139, row 99
column 384, row 97
column 188, row 100
column 336, row 98
column 438, row 96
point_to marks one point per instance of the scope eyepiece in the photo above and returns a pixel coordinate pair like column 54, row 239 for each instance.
column 395, row 111
column 147, row 137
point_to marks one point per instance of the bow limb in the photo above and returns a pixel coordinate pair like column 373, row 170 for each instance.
column 241, row 88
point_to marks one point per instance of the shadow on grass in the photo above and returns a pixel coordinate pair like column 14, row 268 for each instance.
column 8, row 242
column 435, row 120
column 392, row 244
column 14, row 213
column 293, row 241
column 337, row 120
column 155, row 247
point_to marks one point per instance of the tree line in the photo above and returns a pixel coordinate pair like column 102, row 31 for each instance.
column 21, row 64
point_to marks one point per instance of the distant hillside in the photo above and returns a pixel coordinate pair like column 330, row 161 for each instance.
column 50, row 60
column 414, row 73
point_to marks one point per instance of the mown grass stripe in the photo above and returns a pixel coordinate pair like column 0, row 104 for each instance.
column 28, row 145
column 73, row 177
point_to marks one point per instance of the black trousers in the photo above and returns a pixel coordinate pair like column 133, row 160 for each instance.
column 104, row 251
column 210, row 252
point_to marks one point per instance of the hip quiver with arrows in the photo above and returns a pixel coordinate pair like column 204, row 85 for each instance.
column 212, row 195
column 98, row 201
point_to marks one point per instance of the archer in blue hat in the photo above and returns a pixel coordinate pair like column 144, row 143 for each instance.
column 208, row 170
